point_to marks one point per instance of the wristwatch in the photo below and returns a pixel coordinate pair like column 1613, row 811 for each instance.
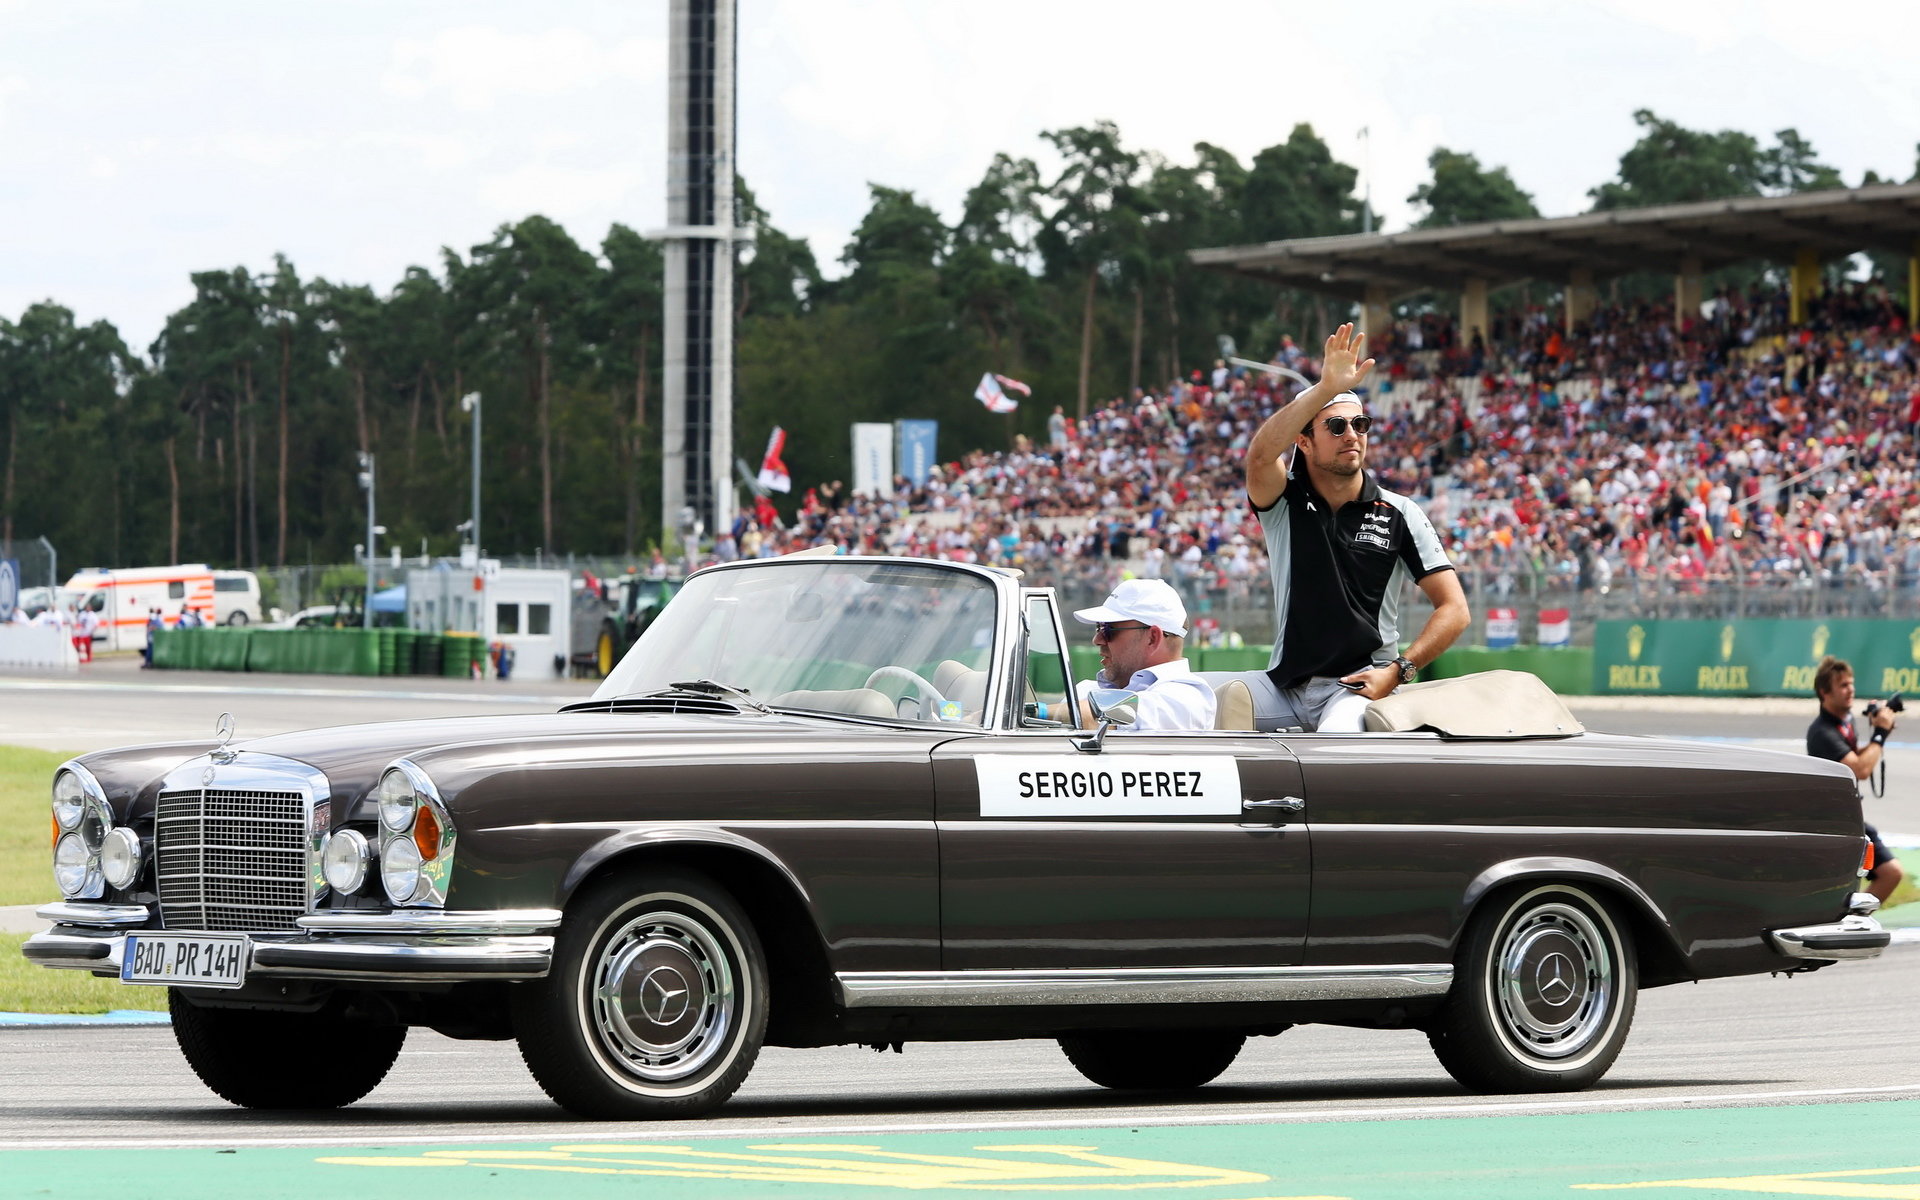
column 1407, row 669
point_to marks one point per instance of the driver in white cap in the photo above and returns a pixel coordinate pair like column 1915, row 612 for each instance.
column 1141, row 632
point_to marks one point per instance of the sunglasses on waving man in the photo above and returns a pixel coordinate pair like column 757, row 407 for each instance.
column 1337, row 426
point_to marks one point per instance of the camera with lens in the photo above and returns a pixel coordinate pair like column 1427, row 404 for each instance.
column 1894, row 704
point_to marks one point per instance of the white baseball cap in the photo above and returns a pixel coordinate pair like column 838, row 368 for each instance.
column 1148, row 601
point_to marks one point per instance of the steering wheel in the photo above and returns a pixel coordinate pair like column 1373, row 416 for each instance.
column 930, row 697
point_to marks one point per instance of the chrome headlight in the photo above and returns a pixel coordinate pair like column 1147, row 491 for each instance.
column 120, row 857
column 81, row 819
column 397, row 798
column 400, row 870
column 345, row 861
column 69, row 799
column 76, row 868
column 416, row 837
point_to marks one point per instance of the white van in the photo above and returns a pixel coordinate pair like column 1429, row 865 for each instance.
column 236, row 597
column 122, row 597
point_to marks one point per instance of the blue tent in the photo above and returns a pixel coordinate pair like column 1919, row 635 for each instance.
column 393, row 600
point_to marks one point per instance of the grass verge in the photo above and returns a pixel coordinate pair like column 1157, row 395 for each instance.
column 26, row 987
column 26, row 851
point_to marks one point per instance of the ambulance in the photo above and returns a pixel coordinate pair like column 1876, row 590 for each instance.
column 122, row 597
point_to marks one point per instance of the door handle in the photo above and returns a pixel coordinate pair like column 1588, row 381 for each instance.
column 1291, row 806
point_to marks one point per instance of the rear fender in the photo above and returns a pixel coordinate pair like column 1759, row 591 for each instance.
column 1663, row 959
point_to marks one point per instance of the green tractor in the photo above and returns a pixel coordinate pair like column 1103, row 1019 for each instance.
column 610, row 617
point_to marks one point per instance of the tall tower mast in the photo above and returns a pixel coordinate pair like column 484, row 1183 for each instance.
column 697, row 424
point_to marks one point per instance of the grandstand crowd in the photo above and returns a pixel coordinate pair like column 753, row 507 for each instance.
column 1735, row 445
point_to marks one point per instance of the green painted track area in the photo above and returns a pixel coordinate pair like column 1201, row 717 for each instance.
column 1827, row 1150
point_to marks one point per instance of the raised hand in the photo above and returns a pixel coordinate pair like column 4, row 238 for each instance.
column 1341, row 369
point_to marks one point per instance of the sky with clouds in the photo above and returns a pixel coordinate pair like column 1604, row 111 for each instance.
column 141, row 141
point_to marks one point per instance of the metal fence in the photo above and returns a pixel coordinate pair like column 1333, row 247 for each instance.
column 39, row 561
column 1241, row 610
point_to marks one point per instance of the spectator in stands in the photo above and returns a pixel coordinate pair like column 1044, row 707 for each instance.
column 1337, row 545
column 1831, row 736
column 1141, row 631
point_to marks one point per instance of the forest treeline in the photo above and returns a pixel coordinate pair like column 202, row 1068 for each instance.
column 232, row 439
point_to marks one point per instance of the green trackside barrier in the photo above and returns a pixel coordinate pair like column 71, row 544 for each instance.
column 169, row 648
column 1568, row 670
column 224, row 649
column 1231, row 658
column 1085, row 660
column 386, row 644
column 210, row 649
column 1751, row 658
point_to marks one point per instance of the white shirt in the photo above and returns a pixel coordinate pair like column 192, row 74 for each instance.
column 1172, row 698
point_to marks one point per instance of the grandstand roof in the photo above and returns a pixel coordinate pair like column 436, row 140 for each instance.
column 1716, row 232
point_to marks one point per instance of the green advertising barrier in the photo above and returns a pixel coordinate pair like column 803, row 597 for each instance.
column 1751, row 658
column 1568, row 670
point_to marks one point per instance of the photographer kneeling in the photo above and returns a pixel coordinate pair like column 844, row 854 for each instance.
column 1831, row 736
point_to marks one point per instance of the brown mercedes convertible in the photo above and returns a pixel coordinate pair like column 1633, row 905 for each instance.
column 822, row 801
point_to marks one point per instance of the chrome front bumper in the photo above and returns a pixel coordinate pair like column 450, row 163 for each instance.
column 1856, row 935
column 414, row 944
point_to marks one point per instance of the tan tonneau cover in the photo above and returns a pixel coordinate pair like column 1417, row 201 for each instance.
column 1488, row 704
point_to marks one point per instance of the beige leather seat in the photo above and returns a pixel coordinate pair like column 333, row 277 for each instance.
column 859, row 702
column 1233, row 701
column 957, row 681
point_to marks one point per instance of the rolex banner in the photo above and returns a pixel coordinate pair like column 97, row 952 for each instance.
column 1751, row 658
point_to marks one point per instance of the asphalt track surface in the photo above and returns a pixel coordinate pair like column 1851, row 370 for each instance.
column 1721, row 1082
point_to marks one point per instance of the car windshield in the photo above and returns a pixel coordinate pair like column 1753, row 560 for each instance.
column 877, row 639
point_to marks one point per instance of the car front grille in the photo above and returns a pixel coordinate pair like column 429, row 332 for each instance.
column 232, row 859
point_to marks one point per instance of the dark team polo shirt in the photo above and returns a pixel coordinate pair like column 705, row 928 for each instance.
column 1831, row 737
column 1337, row 576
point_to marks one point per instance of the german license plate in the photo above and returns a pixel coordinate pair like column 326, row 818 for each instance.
column 215, row 960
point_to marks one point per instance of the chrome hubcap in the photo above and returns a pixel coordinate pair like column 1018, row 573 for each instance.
column 663, row 996
column 1554, row 979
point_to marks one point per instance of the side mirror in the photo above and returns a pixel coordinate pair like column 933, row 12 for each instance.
column 1110, row 707
column 1114, row 706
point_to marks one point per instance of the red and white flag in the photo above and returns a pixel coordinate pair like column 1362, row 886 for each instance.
column 1556, row 629
column 992, row 392
column 774, row 475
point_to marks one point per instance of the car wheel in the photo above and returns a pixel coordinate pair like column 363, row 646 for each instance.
column 657, row 1002
column 1544, row 996
column 238, row 618
column 281, row 1059
column 1158, row 1061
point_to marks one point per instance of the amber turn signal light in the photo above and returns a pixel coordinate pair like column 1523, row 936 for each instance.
column 426, row 833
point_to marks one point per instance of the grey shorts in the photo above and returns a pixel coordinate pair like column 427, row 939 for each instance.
column 1319, row 705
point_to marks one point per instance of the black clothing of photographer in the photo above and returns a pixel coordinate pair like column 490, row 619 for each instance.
column 1832, row 736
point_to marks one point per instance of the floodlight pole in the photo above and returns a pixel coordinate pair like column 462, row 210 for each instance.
column 471, row 403
column 366, row 481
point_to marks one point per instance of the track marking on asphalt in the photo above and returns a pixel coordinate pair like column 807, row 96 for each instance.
column 1148, row 1120
column 990, row 1168
column 208, row 689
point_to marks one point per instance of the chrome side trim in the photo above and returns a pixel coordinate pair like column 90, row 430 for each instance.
column 1152, row 985
column 415, row 960
column 93, row 916
column 433, row 923
column 1854, row 936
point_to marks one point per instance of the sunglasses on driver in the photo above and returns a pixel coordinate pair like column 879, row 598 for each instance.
column 1337, row 426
